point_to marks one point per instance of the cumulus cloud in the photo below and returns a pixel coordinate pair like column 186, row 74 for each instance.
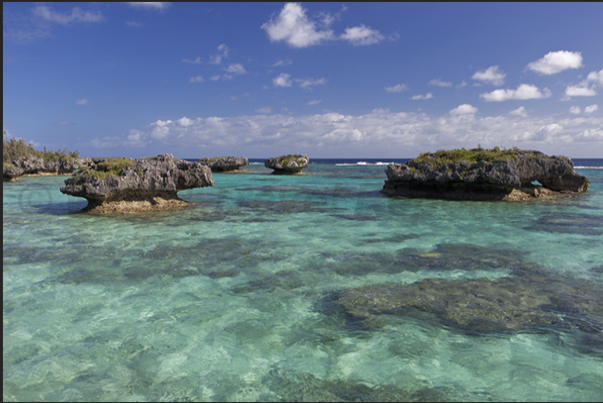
column 575, row 110
column 196, row 61
column 295, row 28
column 587, row 87
column 283, row 80
column 492, row 75
column 196, row 79
column 82, row 101
column 521, row 111
column 314, row 102
column 396, row 88
column 362, row 35
column 307, row 83
column 524, row 91
column 157, row 5
column 76, row 15
column 236, row 68
column 222, row 53
column 555, row 62
column 429, row 95
column 463, row 109
column 280, row 63
column 591, row 108
column 440, row 83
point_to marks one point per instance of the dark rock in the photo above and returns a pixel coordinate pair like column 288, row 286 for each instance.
column 288, row 164
column 145, row 184
column 506, row 176
column 38, row 166
column 224, row 164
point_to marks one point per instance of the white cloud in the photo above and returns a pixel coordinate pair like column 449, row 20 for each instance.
column 591, row 109
column 575, row 110
column 215, row 77
column 362, row 35
column 222, row 54
column 309, row 82
column 196, row 79
column 280, row 63
column 524, row 91
column 555, row 62
column 76, row 15
column 314, row 102
column 295, row 28
column 283, row 80
column 521, row 111
column 586, row 88
column 82, row 101
column 134, row 24
column 429, row 95
column 236, row 68
column 264, row 110
column 440, row 83
column 463, row 109
column 492, row 75
column 396, row 88
column 158, row 5
column 196, row 61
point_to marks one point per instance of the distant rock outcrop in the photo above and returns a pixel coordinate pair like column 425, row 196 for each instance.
column 38, row 166
column 225, row 164
column 151, row 183
column 291, row 164
column 480, row 174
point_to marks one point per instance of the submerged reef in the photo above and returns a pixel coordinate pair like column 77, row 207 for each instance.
column 225, row 164
column 290, row 164
column 127, row 185
column 481, row 174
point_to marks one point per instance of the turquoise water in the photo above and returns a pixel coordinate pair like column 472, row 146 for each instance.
column 233, row 298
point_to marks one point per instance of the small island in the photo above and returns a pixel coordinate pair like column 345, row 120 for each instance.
column 116, row 185
column 21, row 159
column 225, row 164
column 291, row 164
column 484, row 174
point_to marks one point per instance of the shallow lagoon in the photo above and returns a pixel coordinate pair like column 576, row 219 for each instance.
column 231, row 299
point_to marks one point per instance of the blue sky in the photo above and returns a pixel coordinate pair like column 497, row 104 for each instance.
column 326, row 79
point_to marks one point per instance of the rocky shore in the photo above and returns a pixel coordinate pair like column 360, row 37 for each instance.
column 225, row 164
column 127, row 185
column 480, row 174
column 38, row 166
column 291, row 164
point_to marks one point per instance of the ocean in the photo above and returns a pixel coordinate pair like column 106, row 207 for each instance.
column 303, row 288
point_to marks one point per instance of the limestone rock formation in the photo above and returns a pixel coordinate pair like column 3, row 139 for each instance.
column 225, row 164
column 38, row 166
column 149, row 183
column 288, row 164
column 480, row 174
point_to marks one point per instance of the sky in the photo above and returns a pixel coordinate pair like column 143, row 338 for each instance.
column 331, row 80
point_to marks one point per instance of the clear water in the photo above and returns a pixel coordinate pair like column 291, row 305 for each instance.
column 224, row 300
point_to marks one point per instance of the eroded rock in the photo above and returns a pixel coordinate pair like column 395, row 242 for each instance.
column 225, row 164
column 479, row 174
column 38, row 166
column 290, row 164
column 124, row 184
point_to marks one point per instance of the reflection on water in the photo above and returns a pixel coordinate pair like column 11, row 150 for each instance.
column 302, row 288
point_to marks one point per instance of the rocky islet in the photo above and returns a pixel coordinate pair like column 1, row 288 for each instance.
column 291, row 164
column 225, row 164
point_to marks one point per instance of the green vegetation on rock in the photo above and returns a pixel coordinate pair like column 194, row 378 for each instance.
column 442, row 157
column 102, row 170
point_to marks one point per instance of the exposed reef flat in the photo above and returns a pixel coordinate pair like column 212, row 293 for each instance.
column 480, row 174
column 146, row 184
column 291, row 164
column 225, row 164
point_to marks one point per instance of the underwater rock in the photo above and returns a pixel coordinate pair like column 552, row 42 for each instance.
column 126, row 185
column 291, row 164
column 225, row 164
column 480, row 305
column 38, row 166
column 480, row 174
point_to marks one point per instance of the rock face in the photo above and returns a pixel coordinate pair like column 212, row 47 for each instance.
column 129, row 185
column 287, row 164
column 225, row 164
column 38, row 166
column 484, row 175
